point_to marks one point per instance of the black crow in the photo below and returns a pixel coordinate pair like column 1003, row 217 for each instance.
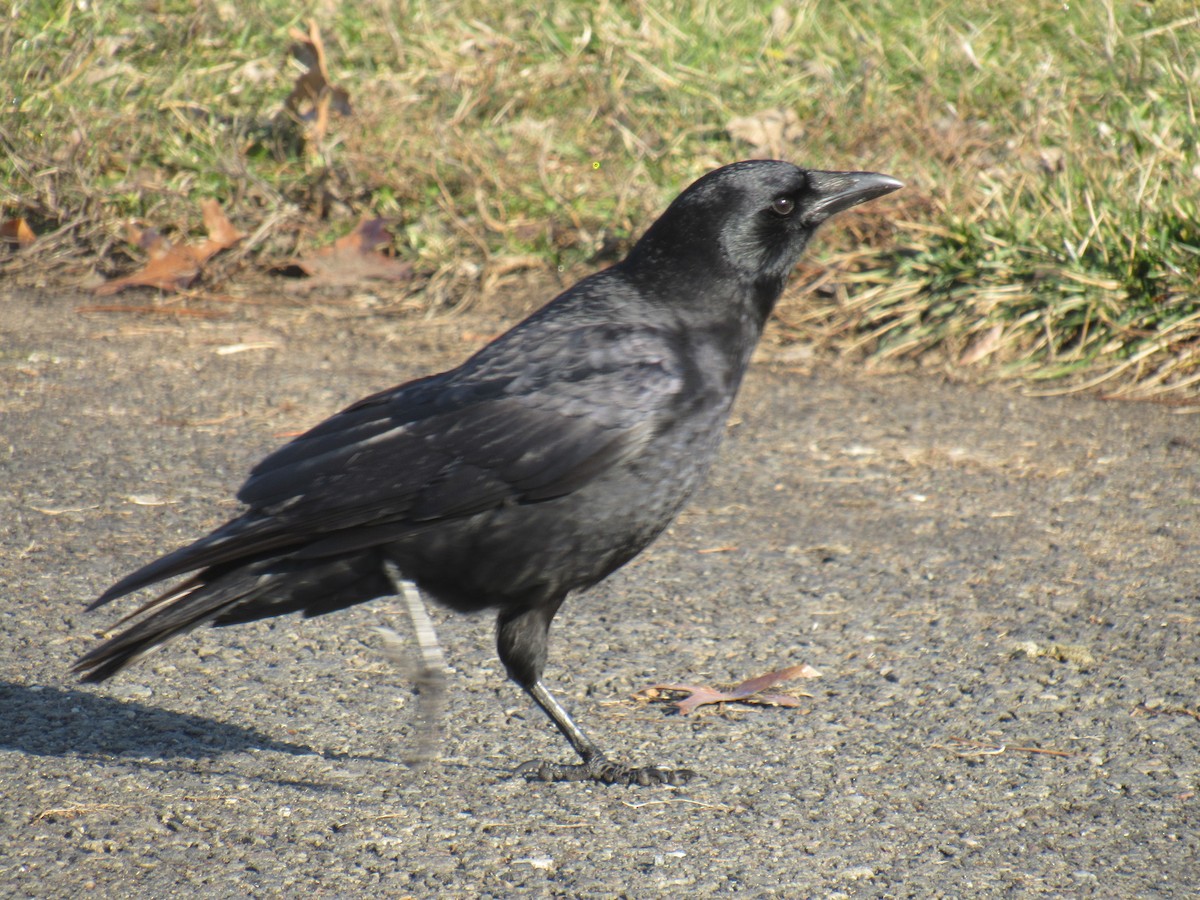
column 539, row 466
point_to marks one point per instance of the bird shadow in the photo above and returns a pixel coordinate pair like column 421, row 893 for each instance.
column 47, row 721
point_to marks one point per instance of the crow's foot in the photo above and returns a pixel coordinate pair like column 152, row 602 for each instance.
column 602, row 770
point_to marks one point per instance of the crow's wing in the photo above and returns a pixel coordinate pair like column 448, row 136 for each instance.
column 521, row 422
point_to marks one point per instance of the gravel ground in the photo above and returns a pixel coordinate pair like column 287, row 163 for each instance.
column 1001, row 593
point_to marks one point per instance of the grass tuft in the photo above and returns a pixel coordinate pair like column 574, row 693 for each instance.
column 1052, row 152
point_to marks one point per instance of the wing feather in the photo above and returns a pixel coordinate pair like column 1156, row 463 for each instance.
column 518, row 423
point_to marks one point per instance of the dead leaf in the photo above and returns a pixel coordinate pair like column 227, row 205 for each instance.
column 313, row 97
column 173, row 270
column 351, row 259
column 17, row 232
column 983, row 346
column 771, row 132
column 221, row 233
column 147, row 239
column 749, row 691
column 174, row 267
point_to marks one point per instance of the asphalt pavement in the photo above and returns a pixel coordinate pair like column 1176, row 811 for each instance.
column 1001, row 593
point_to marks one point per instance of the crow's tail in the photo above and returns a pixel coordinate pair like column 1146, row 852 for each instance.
column 235, row 593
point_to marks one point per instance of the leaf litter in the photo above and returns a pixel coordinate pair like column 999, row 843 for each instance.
column 175, row 267
column 314, row 98
column 351, row 259
column 16, row 233
column 752, row 690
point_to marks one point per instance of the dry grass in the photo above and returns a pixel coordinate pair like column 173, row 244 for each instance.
column 1049, row 230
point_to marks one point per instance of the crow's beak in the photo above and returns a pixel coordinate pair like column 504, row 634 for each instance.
column 838, row 191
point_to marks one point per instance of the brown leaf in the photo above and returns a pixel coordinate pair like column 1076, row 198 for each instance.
column 221, row 233
column 749, row 691
column 148, row 239
column 313, row 97
column 351, row 259
column 174, row 267
column 17, row 232
column 172, row 270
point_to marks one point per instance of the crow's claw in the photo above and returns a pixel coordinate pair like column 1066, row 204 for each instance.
column 603, row 771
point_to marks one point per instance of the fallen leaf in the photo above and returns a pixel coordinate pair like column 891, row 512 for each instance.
column 148, row 239
column 351, row 259
column 983, row 346
column 17, row 232
column 221, row 233
column 174, row 267
column 173, row 270
column 749, row 691
column 313, row 97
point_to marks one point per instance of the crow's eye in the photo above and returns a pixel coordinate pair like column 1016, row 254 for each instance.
column 783, row 206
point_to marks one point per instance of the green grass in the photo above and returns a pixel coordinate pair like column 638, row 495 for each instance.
column 1052, row 150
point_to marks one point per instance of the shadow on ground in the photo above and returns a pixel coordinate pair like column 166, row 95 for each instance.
column 48, row 721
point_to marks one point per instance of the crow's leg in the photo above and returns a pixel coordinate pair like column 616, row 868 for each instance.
column 521, row 638
column 595, row 766
column 430, row 676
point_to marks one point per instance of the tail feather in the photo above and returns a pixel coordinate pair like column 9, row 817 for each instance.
column 245, row 537
column 230, row 595
column 184, row 612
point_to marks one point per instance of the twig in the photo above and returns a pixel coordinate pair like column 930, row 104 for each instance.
column 678, row 800
column 1166, row 711
column 981, row 748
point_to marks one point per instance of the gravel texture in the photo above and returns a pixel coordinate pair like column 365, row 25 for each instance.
column 1002, row 594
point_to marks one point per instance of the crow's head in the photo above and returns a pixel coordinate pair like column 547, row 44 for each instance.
column 751, row 220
